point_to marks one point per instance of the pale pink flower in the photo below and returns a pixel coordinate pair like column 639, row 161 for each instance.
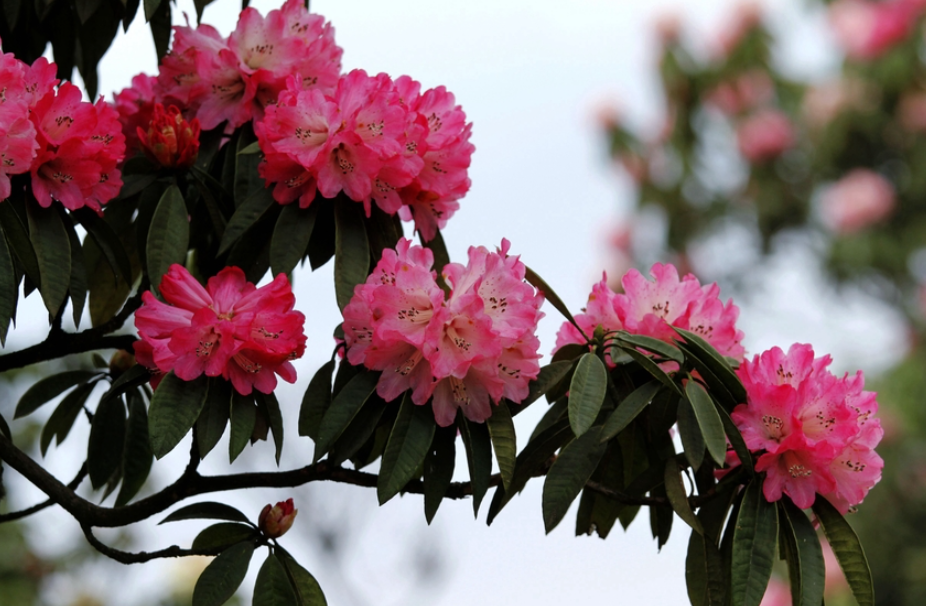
column 867, row 30
column 778, row 593
column 742, row 93
column 764, row 135
column 745, row 17
column 859, row 199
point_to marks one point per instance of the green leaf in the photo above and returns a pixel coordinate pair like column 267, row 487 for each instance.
column 53, row 252
column 151, row 6
column 138, row 458
column 351, row 250
column 200, row 5
column 316, row 401
column 291, row 237
column 246, row 215
column 549, row 376
column 107, row 440
column 708, row 420
column 718, row 366
column 17, row 238
column 60, row 422
column 307, row 589
column 678, row 498
column 107, row 293
column 690, row 433
column 504, row 441
column 438, row 469
column 628, row 409
column 704, row 575
column 569, row 353
column 243, row 419
column 9, row 288
column 173, row 411
column 223, row 534
column 598, row 513
column 848, row 550
column 221, row 578
column 754, row 541
column 736, row 439
column 214, row 417
column 409, row 443
column 272, row 587
column 652, row 345
column 211, row 192
column 359, row 432
column 555, row 413
column 441, row 258
column 107, row 240
column 586, row 392
column 168, row 235
column 251, row 148
column 569, row 474
column 272, row 406
column 134, row 377
column 652, row 368
column 343, row 409
column 77, row 286
column 805, row 556
column 49, row 388
column 478, row 447
column 207, row 510
column 383, row 231
column 550, row 295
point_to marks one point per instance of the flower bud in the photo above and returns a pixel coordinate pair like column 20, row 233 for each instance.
column 275, row 521
column 170, row 141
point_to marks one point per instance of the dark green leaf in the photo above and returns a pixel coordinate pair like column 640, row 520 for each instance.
column 251, row 148
column 704, row 572
column 537, row 282
column 597, row 513
column 272, row 406
column 173, row 411
column 307, row 590
column 437, row 246
column 214, row 417
column 107, row 293
column 351, row 250
column 9, row 288
column 133, row 377
column 628, row 409
column 291, row 237
column 359, row 433
column 438, row 469
column 383, row 231
column 754, row 541
column 716, row 363
column 200, row 5
column 478, row 447
column 222, row 535
column 211, row 191
column 77, row 286
column 243, row 419
column 652, row 368
column 49, row 388
column 316, row 401
column 586, row 392
column 343, row 409
column 409, row 443
column 53, row 252
column 151, row 6
column 690, row 433
column 569, row 353
column 138, row 458
column 736, row 439
column 652, row 345
column 107, row 440
column 678, row 497
column 504, row 441
column 848, row 551
column 272, row 587
column 168, row 236
column 556, row 412
column 5, row 429
column 569, row 474
column 550, row 375
column 246, row 216
column 17, row 238
column 107, row 240
column 221, row 578
column 60, row 422
column 708, row 420
column 805, row 556
column 207, row 510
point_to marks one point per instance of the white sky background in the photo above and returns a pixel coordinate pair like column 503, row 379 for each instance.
column 529, row 75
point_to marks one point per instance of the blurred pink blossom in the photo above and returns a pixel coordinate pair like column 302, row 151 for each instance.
column 764, row 135
column 746, row 16
column 743, row 93
column 778, row 593
column 859, row 199
column 911, row 111
column 867, row 30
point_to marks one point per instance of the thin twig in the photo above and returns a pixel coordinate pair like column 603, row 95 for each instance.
column 18, row 515
column 127, row 557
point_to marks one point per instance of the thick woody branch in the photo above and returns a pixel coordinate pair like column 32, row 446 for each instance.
column 18, row 515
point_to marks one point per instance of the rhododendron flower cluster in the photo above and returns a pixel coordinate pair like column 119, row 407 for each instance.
column 816, row 432
column 859, row 199
column 652, row 308
column 373, row 139
column 170, row 140
column 230, row 328
column 70, row 147
column 466, row 349
column 867, row 30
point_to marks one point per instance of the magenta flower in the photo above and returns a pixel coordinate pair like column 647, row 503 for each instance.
column 462, row 351
column 232, row 329
column 816, row 432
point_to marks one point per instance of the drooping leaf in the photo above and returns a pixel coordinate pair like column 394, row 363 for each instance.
column 272, row 587
column 439, row 249
column 754, row 541
column 559, row 410
column 223, row 575
column 736, row 439
column 107, row 440
column 704, row 572
column 344, row 407
column 351, row 250
column 316, row 401
column 569, row 353
column 200, row 5
column 9, row 288
column 597, row 513
column 504, row 441
column 569, row 474
column 806, row 570
column 160, row 24
column 134, row 377
column 308, row 592
column 107, row 293
column 652, row 345
column 708, row 420
column 478, row 447
column 628, row 409
column 214, row 416
column 652, row 368
column 360, row 432
column 678, row 497
column 383, row 231
column 409, row 443
column 270, row 404
column 550, row 295
column 243, row 418
column 223, row 534
column 716, row 363
column 291, row 237
column 322, row 242
column 246, row 215
column 207, row 510
column 17, row 238
column 137, row 458
column 62, row 419
column 586, row 392
column 53, row 252
column 77, row 286
column 49, row 388
column 690, row 433
column 168, row 236
column 848, row 550
column 173, row 411
column 549, row 376
column 107, row 240
column 438, row 469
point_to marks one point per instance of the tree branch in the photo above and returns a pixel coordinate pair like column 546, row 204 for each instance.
column 127, row 557
column 17, row 515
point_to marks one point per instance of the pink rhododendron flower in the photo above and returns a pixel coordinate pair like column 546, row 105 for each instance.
column 743, row 93
column 859, row 199
column 816, row 432
column 652, row 308
column 135, row 106
column 764, row 135
column 170, row 140
column 247, row 335
column 462, row 351
column 866, row 30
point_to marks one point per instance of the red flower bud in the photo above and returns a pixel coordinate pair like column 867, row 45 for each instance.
column 275, row 521
column 170, row 141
